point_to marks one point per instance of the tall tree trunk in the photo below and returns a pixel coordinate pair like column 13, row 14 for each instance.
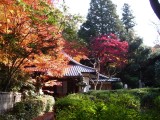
column 95, row 87
column 101, row 85
column 156, row 7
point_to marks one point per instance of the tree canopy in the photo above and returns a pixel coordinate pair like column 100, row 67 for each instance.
column 127, row 17
column 29, row 28
column 109, row 49
column 101, row 19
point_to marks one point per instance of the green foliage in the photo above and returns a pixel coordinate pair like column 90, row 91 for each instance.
column 30, row 108
column 157, row 102
column 119, row 98
column 132, row 80
column 17, row 82
column 151, row 69
column 80, row 107
column 7, row 117
column 113, row 105
column 138, row 53
column 74, row 100
column 102, row 19
column 150, row 115
column 149, row 75
column 70, row 27
column 48, row 102
column 75, row 107
column 117, row 85
column 127, row 17
column 136, row 67
column 150, row 101
column 116, row 112
column 157, row 73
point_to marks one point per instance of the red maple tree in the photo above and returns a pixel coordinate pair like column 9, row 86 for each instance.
column 108, row 53
column 109, row 49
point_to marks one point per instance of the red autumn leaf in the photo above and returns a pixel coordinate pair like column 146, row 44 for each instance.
column 108, row 48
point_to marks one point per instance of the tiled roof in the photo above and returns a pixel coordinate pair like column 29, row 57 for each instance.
column 75, row 70
column 101, row 79
column 107, row 79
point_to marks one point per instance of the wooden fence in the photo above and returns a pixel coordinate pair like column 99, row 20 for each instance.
column 7, row 100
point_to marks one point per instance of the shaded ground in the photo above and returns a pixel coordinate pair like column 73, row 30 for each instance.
column 46, row 116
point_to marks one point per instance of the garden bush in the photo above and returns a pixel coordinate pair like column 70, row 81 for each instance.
column 48, row 102
column 82, row 107
column 147, row 101
column 30, row 108
column 74, row 107
column 157, row 102
column 119, row 97
column 112, row 105
column 117, row 85
column 7, row 117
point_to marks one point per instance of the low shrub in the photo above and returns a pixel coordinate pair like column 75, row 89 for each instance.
column 157, row 103
column 127, row 100
column 30, row 108
column 7, row 117
column 150, row 115
column 137, row 104
column 118, row 98
column 74, row 107
column 147, row 101
column 48, row 102
column 79, row 107
column 117, row 85
column 118, row 112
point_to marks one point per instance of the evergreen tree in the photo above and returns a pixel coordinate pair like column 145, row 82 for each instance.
column 157, row 73
column 101, row 19
column 137, row 57
column 137, row 52
column 127, row 17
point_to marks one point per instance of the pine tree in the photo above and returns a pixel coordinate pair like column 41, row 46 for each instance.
column 127, row 17
column 137, row 53
column 102, row 19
